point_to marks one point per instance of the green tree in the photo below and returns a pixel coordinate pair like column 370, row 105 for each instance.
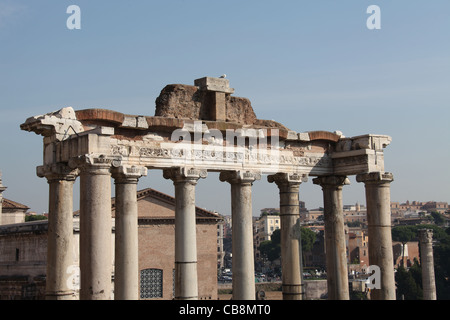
column 416, row 273
column 272, row 248
column 438, row 218
column 354, row 224
column 404, row 234
column 35, row 217
column 407, row 288
column 308, row 237
column 441, row 253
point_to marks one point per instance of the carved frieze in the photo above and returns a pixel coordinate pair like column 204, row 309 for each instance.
column 120, row 150
column 351, row 161
column 198, row 154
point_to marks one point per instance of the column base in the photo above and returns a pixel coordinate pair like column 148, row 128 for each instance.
column 65, row 295
column 292, row 291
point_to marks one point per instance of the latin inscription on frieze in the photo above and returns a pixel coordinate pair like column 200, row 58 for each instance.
column 241, row 156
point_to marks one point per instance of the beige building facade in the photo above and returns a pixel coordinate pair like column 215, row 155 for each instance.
column 267, row 224
column 13, row 212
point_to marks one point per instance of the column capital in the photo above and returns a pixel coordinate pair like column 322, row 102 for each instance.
column 283, row 178
column 331, row 181
column 239, row 177
column 375, row 177
column 57, row 171
column 128, row 173
column 179, row 174
column 425, row 235
column 95, row 163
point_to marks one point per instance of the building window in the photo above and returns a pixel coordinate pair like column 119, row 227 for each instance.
column 151, row 283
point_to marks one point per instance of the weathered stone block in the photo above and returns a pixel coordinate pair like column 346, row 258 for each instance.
column 181, row 101
column 218, row 106
column 240, row 110
column 214, row 84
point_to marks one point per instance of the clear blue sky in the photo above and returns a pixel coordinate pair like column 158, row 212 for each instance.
column 311, row 65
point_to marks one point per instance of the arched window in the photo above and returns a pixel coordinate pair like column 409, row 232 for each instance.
column 151, row 283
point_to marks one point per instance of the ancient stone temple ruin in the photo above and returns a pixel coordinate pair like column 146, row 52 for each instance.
column 198, row 129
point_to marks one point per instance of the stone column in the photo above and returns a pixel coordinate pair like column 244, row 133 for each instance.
column 289, row 185
column 2, row 188
column 185, row 180
column 60, row 244
column 378, row 199
column 427, row 264
column 336, row 257
column 95, row 229
column 242, row 232
column 126, row 271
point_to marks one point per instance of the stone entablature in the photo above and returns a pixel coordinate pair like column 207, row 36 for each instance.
column 161, row 142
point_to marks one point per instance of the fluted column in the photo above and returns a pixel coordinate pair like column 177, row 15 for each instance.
column 242, row 232
column 378, row 199
column 336, row 257
column 95, row 228
column 427, row 264
column 126, row 271
column 185, row 180
column 60, row 243
column 289, row 185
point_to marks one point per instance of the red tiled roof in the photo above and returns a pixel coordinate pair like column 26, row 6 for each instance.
column 9, row 204
column 141, row 194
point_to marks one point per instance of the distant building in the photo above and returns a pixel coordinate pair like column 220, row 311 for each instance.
column 417, row 206
column 411, row 253
column 23, row 251
column 13, row 212
column 355, row 213
column 315, row 215
column 267, row 224
column 357, row 250
column 263, row 227
column 220, row 248
column 433, row 206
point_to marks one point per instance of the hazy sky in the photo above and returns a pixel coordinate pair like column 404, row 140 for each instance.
column 310, row 65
